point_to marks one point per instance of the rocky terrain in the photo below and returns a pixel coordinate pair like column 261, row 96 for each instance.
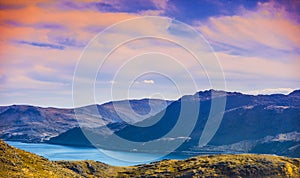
column 18, row 163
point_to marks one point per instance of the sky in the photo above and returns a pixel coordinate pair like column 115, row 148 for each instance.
column 247, row 46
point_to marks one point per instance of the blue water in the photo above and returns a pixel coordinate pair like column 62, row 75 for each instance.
column 117, row 158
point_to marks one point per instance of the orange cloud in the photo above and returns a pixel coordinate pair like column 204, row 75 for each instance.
column 21, row 24
column 72, row 20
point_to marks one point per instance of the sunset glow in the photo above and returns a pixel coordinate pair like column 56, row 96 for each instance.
column 257, row 44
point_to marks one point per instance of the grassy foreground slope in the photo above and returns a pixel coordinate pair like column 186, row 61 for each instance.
column 18, row 163
column 220, row 166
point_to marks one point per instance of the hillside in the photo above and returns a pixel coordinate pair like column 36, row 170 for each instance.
column 36, row 124
column 250, row 125
column 17, row 163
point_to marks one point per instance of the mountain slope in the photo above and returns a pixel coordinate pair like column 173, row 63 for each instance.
column 35, row 124
column 246, row 117
column 18, row 163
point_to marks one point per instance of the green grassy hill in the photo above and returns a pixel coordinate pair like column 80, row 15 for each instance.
column 18, row 163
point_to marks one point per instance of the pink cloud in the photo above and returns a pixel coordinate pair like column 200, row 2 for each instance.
column 268, row 26
column 25, row 66
column 259, row 68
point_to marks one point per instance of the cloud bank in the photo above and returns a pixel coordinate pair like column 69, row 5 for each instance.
column 256, row 42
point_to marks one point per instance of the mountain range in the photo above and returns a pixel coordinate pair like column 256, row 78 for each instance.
column 255, row 124
column 250, row 124
column 36, row 124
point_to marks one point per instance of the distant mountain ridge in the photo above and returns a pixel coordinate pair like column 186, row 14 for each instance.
column 246, row 118
column 36, row 124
